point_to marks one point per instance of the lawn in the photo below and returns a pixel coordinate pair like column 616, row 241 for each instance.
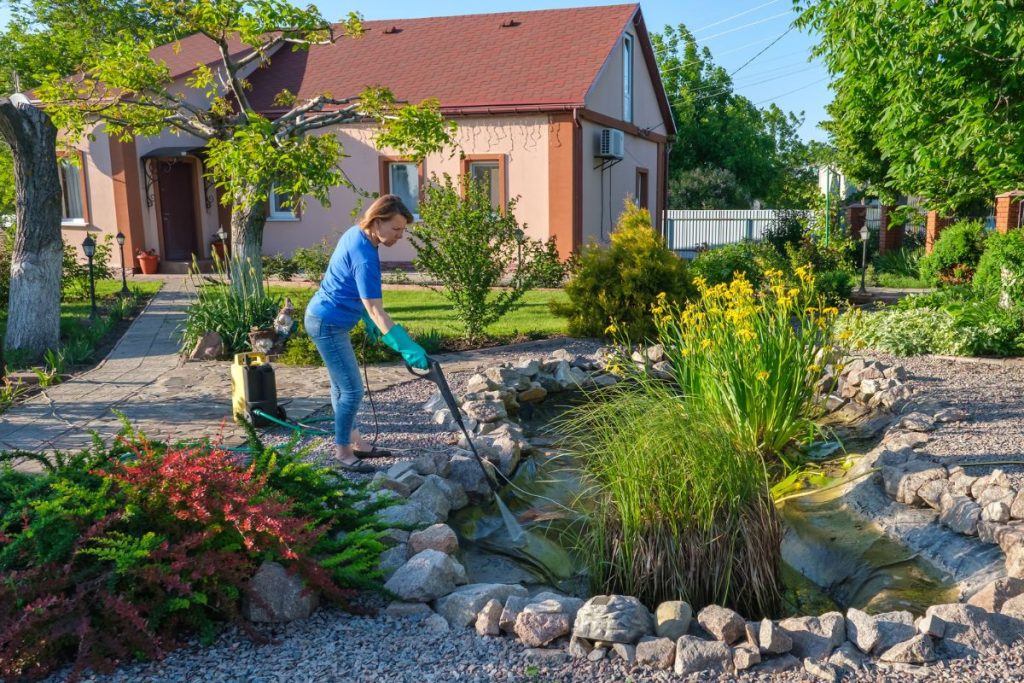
column 423, row 310
column 432, row 321
column 77, row 338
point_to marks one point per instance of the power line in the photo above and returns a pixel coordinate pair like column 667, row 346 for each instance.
column 751, row 85
column 736, row 16
column 720, row 54
column 790, row 92
column 781, row 36
column 744, row 26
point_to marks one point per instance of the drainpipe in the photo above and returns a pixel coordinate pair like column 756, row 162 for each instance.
column 577, row 181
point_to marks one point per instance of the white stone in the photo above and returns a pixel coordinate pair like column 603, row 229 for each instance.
column 487, row 619
column 694, row 655
column 426, row 576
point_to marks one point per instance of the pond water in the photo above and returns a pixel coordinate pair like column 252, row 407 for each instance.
column 833, row 559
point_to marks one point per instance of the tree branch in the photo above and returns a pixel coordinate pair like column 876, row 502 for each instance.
column 315, row 104
column 323, row 120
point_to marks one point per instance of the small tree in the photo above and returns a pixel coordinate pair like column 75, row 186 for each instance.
column 247, row 153
column 470, row 247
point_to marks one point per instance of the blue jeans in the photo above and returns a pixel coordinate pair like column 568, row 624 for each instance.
column 335, row 346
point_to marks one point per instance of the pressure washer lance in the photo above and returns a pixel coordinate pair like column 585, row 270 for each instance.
column 435, row 375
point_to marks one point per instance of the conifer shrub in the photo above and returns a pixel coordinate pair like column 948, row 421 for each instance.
column 612, row 288
column 121, row 552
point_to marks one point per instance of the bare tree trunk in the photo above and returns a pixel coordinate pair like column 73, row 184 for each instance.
column 246, row 262
column 33, row 315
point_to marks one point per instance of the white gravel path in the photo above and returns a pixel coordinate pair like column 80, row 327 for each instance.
column 337, row 646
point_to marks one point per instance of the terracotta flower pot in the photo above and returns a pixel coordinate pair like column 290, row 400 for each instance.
column 149, row 264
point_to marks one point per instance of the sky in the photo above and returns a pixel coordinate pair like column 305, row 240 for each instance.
column 734, row 30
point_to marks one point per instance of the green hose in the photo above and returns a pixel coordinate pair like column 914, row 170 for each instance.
column 290, row 425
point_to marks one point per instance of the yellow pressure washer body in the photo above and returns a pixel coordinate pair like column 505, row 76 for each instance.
column 254, row 389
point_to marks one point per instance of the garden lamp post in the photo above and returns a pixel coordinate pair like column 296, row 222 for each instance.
column 89, row 247
column 864, row 234
column 124, row 280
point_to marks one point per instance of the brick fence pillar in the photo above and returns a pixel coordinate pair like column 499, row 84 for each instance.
column 1008, row 210
column 934, row 226
column 890, row 238
column 856, row 216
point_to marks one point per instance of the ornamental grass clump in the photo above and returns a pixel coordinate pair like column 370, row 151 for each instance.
column 672, row 510
column 750, row 360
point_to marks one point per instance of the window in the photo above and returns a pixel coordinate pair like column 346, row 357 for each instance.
column 627, row 78
column 489, row 170
column 72, row 192
column 280, row 207
column 641, row 188
column 402, row 178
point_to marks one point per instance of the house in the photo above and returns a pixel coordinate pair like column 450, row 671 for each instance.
column 562, row 108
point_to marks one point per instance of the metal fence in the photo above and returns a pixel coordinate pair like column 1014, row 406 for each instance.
column 691, row 230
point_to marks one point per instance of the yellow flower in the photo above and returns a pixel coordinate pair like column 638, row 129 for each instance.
column 611, row 329
column 763, row 376
column 706, row 344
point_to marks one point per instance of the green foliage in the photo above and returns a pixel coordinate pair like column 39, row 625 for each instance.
column 833, row 274
column 551, row 271
column 142, row 545
column 785, row 230
column 6, row 252
column 471, row 248
column 280, row 266
column 612, row 288
column 920, row 102
column 719, row 264
column 221, row 308
column 1002, row 253
column 6, row 184
column 727, row 151
column 955, row 255
column 75, row 272
column 312, row 261
column 956, row 320
column 672, row 509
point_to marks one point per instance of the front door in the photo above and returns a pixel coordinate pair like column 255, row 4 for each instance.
column 176, row 184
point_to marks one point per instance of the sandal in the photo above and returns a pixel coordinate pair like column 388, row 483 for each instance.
column 374, row 452
column 358, row 467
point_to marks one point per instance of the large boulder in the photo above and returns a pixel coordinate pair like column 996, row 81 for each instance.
column 672, row 619
column 276, row 596
column 427, row 576
column 861, row 630
column 917, row 650
column 694, row 655
column 407, row 515
column 541, row 622
column 657, row 652
column 815, row 637
column 462, row 606
column 614, row 619
column 437, row 537
column 992, row 595
column 894, row 628
column 393, row 558
column 432, row 496
column 773, row 639
column 971, row 630
column 465, row 471
column 960, row 513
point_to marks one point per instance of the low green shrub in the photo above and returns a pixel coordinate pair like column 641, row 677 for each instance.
column 955, row 254
column 833, row 274
column 483, row 260
column 75, row 273
column 279, row 266
column 312, row 261
column 672, row 509
column 551, row 271
column 903, row 263
column 719, row 264
column 611, row 288
column 1002, row 253
column 127, row 551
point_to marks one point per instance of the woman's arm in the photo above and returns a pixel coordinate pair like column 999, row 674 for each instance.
column 380, row 317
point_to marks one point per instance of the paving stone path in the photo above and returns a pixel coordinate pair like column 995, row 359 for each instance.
column 145, row 379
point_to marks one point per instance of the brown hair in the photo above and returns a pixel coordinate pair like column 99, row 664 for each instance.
column 384, row 207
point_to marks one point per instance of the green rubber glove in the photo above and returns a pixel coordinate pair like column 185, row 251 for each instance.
column 371, row 328
column 400, row 341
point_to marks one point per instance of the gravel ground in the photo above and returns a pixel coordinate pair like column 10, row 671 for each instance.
column 991, row 393
column 336, row 646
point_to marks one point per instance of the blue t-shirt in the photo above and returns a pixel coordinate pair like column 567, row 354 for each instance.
column 353, row 273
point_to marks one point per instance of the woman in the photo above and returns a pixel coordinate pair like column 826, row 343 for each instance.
column 350, row 291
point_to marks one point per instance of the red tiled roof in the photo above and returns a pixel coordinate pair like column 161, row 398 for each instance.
column 549, row 57
column 183, row 55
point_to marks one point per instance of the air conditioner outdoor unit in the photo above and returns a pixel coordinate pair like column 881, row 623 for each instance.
column 611, row 144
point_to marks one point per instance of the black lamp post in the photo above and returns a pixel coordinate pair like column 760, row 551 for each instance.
column 124, row 280
column 864, row 234
column 89, row 247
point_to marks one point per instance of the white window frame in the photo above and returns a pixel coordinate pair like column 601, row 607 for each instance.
column 627, row 78
column 282, row 215
column 64, row 163
column 391, row 164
